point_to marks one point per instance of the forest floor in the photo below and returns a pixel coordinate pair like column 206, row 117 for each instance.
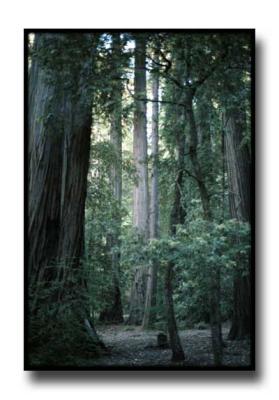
column 133, row 347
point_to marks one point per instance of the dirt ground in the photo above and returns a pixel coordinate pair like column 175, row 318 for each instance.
column 132, row 347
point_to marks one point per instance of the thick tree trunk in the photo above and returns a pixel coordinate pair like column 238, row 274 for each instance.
column 238, row 166
column 150, row 300
column 77, row 131
column 114, row 312
column 60, row 107
column 74, row 186
column 215, row 312
column 140, row 195
column 45, row 142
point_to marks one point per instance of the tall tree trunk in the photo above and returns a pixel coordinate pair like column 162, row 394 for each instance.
column 59, row 136
column 114, row 312
column 151, row 288
column 45, row 141
column 193, row 144
column 239, row 178
column 74, row 186
column 215, row 312
column 140, row 195
column 177, row 217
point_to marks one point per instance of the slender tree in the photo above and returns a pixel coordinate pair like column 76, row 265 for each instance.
column 151, row 289
column 214, row 295
column 192, row 75
column 114, row 312
column 177, row 217
column 140, row 195
column 175, row 117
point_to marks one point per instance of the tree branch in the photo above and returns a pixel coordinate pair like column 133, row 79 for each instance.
column 217, row 64
column 152, row 100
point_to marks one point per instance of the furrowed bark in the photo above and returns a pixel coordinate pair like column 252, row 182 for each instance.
column 45, row 140
column 239, row 180
column 60, row 108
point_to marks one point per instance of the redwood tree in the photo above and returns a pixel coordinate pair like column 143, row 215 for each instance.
column 140, row 195
column 239, row 182
column 59, row 115
column 113, row 311
column 151, row 288
column 45, row 155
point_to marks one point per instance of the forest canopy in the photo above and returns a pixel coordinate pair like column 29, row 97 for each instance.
column 139, row 199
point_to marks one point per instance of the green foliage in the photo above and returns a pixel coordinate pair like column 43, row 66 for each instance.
column 56, row 332
column 101, row 215
column 197, row 250
column 202, row 249
column 103, row 219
